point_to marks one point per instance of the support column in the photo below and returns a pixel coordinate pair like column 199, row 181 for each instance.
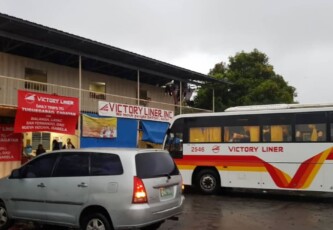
column 80, row 101
column 138, row 86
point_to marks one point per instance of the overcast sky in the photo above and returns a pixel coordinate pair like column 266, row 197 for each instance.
column 296, row 35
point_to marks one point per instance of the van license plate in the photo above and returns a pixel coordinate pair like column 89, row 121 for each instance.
column 165, row 192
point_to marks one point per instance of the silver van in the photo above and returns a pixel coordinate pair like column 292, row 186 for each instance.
column 95, row 188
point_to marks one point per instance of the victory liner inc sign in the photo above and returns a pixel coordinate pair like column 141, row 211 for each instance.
column 133, row 111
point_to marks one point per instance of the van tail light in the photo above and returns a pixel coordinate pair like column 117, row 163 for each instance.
column 139, row 192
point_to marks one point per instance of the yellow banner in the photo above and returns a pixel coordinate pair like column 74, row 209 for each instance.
column 99, row 127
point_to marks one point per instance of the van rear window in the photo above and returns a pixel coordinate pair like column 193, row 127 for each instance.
column 155, row 164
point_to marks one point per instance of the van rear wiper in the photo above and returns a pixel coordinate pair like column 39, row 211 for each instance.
column 165, row 174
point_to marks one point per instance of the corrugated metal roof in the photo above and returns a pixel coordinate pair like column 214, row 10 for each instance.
column 36, row 41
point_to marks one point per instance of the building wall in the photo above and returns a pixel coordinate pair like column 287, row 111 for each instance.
column 14, row 66
column 7, row 166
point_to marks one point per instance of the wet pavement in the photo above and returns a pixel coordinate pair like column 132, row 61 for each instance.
column 235, row 210
column 254, row 211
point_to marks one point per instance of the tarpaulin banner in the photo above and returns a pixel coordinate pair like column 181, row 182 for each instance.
column 99, row 127
column 10, row 144
column 127, row 135
column 45, row 112
column 153, row 131
column 133, row 111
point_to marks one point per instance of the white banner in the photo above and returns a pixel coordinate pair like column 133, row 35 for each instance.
column 133, row 111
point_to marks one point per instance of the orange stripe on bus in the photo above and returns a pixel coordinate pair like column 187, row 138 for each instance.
column 303, row 177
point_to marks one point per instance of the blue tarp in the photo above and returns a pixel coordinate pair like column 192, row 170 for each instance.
column 126, row 135
column 154, row 131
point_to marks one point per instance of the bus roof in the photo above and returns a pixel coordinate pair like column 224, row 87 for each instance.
column 276, row 107
column 262, row 109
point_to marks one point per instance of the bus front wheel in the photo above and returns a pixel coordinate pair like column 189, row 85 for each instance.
column 208, row 181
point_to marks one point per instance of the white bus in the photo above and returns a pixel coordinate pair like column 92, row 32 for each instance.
column 281, row 147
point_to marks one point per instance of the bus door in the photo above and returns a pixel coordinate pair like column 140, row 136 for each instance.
column 174, row 144
column 174, row 140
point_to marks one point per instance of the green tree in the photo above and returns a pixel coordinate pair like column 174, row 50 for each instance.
column 253, row 82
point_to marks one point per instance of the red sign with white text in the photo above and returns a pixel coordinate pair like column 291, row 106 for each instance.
column 45, row 112
column 10, row 144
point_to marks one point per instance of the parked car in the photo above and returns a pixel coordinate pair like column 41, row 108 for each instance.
column 96, row 188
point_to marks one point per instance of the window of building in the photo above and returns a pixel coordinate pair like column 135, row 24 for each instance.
column 97, row 90
column 36, row 79
column 41, row 138
column 205, row 134
column 144, row 97
column 241, row 134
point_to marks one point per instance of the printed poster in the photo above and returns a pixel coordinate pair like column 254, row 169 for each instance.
column 99, row 127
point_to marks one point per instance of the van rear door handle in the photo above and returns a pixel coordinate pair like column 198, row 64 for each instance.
column 41, row 185
column 82, row 185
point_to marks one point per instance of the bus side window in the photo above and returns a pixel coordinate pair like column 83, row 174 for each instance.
column 242, row 134
column 254, row 133
column 205, row 134
column 310, row 132
column 235, row 134
column 266, row 134
column 311, row 127
column 276, row 133
column 331, row 126
column 286, row 133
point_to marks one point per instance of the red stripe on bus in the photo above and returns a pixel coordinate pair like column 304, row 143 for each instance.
column 280, row 178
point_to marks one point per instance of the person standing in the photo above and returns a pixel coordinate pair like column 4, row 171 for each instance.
column 40, row 150
column 68, row 145
column 55, row 145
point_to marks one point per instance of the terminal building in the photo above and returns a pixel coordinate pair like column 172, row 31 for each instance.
column 107, row 96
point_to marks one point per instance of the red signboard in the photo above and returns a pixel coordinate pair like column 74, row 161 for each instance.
column 10, row 144
column 45, row 112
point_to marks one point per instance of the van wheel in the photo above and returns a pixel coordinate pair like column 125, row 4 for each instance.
column 207, row 181
column 96, row 221
column 5, row 221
